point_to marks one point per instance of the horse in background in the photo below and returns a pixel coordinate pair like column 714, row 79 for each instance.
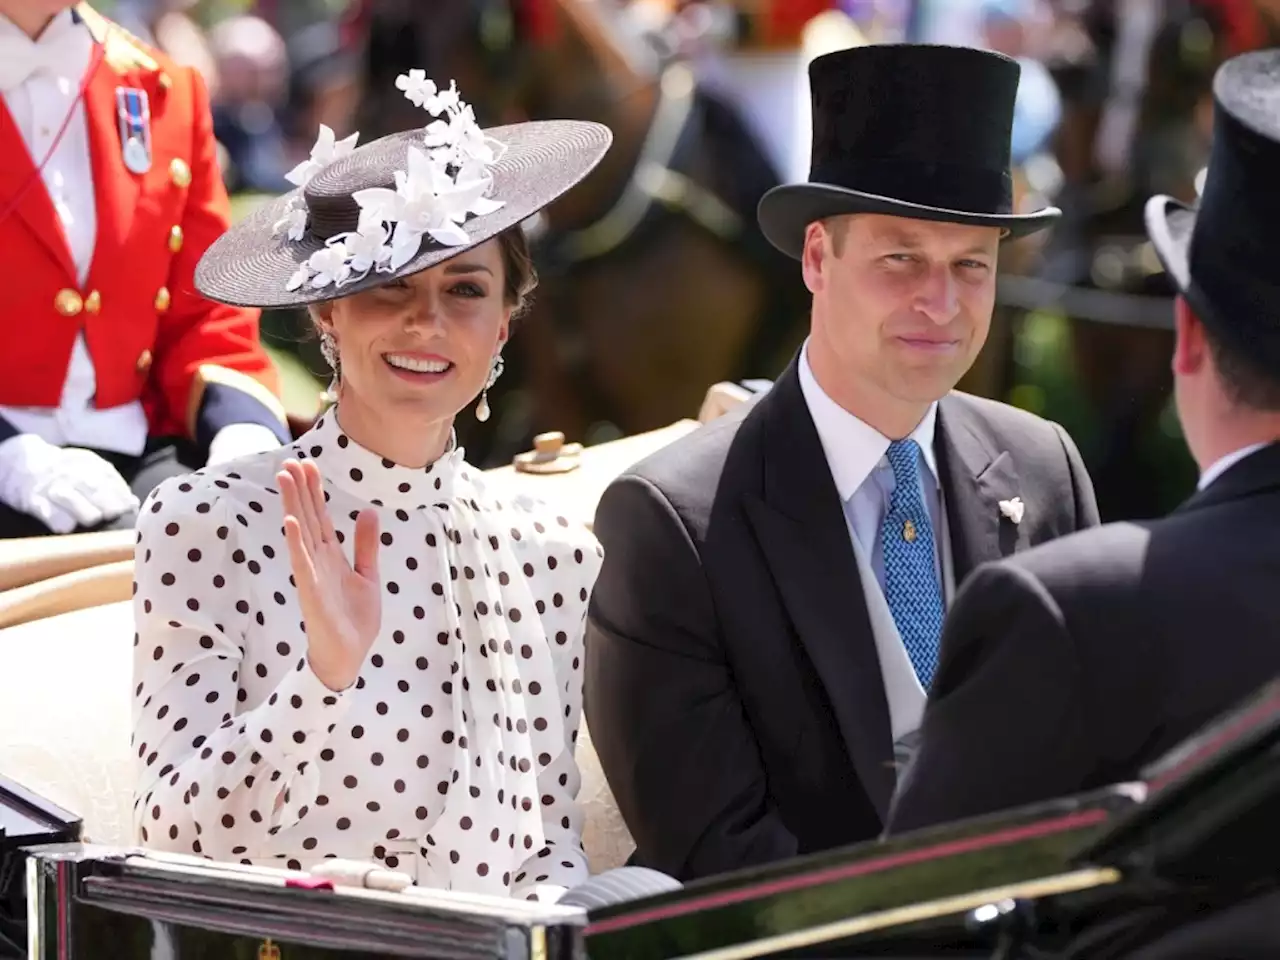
column 655, row 280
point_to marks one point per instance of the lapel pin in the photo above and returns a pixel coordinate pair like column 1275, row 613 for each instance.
column 134, row 114
column 1013, row 509
column 909, row 532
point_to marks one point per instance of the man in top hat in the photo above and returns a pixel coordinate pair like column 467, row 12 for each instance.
column 766, row 624
column 1074, row 665
column 109, row 193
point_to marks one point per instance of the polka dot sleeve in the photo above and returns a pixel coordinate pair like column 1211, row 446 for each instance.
column 212, row 777
column 571, row 567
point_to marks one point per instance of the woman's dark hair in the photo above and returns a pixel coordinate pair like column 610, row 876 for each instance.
column 519, row 276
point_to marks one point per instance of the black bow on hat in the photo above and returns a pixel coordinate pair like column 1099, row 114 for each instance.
column 1224, row 254
column 910, row 130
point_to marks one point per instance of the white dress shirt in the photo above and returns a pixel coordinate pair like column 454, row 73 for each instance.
column 39, row 81
column 855, row 453
column 1223, row 464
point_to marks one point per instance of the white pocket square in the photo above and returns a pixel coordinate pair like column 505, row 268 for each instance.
column 1013, row 509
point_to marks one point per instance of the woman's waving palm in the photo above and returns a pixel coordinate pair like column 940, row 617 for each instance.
column 341, row 602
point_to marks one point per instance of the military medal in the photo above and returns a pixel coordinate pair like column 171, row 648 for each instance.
column 134, row 114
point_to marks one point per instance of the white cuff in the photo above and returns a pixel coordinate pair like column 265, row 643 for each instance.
column 240, row 440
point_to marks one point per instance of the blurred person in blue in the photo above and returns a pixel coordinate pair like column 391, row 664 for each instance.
column 1006, row 26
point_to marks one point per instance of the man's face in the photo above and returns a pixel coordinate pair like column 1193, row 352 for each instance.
column 901, row 306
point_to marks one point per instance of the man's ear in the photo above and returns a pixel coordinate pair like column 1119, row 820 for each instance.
column 813, row 256
column 1191, row 348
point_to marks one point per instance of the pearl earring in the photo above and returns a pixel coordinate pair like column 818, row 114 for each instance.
column 482, row 408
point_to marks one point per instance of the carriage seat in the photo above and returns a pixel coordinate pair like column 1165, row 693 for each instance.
column 66, row 714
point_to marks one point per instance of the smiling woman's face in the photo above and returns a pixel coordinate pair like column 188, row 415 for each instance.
column 420, row 349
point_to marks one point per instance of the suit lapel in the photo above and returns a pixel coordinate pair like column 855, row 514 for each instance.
column 976, row 475
column 800, row 525
column 35, row 209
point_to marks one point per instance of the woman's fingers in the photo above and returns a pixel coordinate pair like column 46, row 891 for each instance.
column 316, row 485
column 307, row 517
column 291, row 501
column 304, row 571
column 366, row 545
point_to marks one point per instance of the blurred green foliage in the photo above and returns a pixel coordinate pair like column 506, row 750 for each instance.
column 1046, row 384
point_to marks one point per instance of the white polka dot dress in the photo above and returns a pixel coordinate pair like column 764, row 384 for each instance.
column 450, row 758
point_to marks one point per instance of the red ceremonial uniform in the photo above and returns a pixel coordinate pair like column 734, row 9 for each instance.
column 151, row 337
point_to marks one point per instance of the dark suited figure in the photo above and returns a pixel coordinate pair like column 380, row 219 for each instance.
column 767, row 619
column 1074, row 665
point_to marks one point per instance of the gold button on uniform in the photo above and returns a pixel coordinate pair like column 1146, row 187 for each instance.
column 179, row 172
column 144, row 361
column 93, row 302
column 166, row 81
column 163, row 299
column 68, row 303
column 175, row 239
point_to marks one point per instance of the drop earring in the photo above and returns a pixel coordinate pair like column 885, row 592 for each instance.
column 482, row 408
column 329, row 350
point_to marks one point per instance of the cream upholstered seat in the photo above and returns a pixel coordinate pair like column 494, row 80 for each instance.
column 65, row 710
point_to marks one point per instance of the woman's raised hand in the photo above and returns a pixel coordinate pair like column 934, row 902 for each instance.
column 341, row 603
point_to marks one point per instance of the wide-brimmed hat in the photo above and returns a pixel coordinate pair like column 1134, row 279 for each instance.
column 910, row 130
column 364, row 216
column 1222, row 254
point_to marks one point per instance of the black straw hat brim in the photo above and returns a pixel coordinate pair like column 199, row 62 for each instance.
column 250, row 265
column 785, row 212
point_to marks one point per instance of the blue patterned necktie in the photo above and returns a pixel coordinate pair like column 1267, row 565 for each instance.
column 910, row 576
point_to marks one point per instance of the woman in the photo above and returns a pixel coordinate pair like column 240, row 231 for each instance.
column 350, row 648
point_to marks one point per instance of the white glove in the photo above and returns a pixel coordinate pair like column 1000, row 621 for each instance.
column 63, row 488
column 239, row 440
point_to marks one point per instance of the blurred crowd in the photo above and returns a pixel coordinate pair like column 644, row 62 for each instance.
column 278, row 68
column 275, row 70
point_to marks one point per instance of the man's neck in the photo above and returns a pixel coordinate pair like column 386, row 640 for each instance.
column 31, row 22
column 1231, row 435
column 888, row 415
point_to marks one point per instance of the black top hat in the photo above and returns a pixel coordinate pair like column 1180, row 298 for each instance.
column 1224, row 255
column 363, row 216
column 910, row 130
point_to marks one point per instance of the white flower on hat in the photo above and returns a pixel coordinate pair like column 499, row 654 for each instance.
column 416, row 87
column 327, row 149
column 445, row 183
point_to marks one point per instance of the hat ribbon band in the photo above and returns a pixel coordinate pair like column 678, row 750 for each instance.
column 978, row 190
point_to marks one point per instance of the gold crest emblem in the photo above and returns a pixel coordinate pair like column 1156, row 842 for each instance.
column 268, row 951
column 909, row 532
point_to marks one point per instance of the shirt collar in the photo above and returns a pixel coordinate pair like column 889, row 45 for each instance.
column 853, row 447
column 17, row 50
column 11, row 36
column 1223, row 464
column 367, row 476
